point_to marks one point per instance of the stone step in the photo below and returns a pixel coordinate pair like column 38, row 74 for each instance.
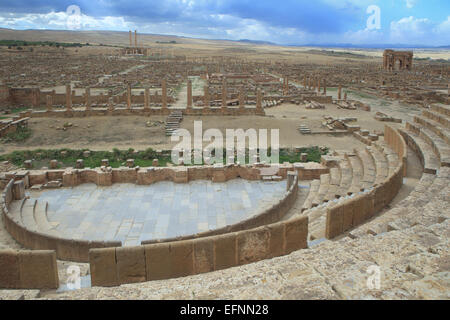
column 346, row 177
column 41, row 218
column 391, row 156
column 444, row 110
column 323, row 189
column 381, row 164
column 313, row 189
column 15, row 210
column 27, row 215
column 440, row 148
column 429, row 159
column 434, row 126
column 441, row 119
column 369, row 169
column 357, row 174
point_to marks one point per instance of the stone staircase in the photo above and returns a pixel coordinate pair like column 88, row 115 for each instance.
column 173, row 122
column 351, row 173
column 32, row 215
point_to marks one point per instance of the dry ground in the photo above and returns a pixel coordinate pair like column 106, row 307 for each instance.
column 123, row 132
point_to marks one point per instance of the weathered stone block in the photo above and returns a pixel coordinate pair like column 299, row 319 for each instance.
column 10, row 272
column 253, row 245
column 296, row 234
column 225, row 247
column 131, row 264
column 203, row 255
column 38, row 270
column 103, row 268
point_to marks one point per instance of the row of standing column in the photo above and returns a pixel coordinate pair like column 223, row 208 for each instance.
column 88, row 103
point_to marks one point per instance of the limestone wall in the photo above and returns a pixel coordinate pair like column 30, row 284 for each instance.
column 115, row 266
column 354, row 211
column 28, row 270
column 80, row 113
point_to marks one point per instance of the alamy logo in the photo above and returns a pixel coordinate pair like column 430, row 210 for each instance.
column 374, row 20
column 374, row 280
column 74, row 279
column 235, row 145
column 74, row 17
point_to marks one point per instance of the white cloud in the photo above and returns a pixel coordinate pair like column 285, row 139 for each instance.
column 410, row 3
column 411, row 30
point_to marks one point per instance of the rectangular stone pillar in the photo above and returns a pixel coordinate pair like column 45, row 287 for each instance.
column 147, row 98
column 68, row 97
column 87, row 97
column 128, row 96
column 259, row 99
column 111, row 104
column 318, row 85
column 339, row 92
column 189, row 94
column 49, row 102
column 206, row 96
column 241, row 98
column 324, row 87
column 224, row 93
column 164, row 94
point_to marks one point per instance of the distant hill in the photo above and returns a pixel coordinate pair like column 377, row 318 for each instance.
column 121, row 38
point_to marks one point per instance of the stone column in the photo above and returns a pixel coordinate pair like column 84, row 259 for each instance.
column 339, row 92
column 345, row 96
column 87, row 97
column 110, row 103
column 258, row 99
column 206, row 96
column 147, row 98
column 135, row 38
column 164, row 94
column 128, row 96
column 286, row 86
column 68, row 97
column 224, row 93
column 318, row 85
column 131, row 42
column 49, row 102
column 241, row 98
column 325, row 87
column 189, row 94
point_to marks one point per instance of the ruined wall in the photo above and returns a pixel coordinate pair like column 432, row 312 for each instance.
column 115, row 266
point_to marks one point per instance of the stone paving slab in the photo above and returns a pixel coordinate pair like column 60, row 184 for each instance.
column 131, row 213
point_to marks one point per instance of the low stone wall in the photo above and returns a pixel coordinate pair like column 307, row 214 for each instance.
column 65, row 249
column 28, row 270
column 159, row 111
column 354, row 211
column 116, row 266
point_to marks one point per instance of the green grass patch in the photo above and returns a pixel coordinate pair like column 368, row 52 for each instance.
column 21, row 135
column 117, row 158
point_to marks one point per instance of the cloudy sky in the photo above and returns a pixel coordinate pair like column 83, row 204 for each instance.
column 423, row 22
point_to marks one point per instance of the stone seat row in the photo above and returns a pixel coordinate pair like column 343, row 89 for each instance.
column 355, row 173
column 32, row 215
